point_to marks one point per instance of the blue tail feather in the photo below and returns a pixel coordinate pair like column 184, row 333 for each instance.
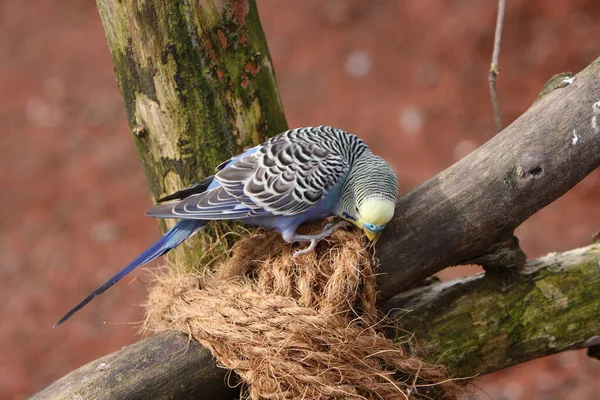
column 173, row 238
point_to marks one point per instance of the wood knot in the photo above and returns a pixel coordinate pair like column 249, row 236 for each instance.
column 503, row 258
column 139, row 131
column 531, row 166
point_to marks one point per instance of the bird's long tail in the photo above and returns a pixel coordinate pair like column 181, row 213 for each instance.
column 173, row 238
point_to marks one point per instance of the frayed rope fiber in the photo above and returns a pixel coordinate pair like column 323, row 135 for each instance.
column 296, row 328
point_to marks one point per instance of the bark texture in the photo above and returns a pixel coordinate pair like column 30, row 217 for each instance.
column 470, row 210
column 165, row 366
column 198, row 86
column 484, row 323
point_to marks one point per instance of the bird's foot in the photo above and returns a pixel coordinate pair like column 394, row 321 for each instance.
column 314, row 239
column 311, row 247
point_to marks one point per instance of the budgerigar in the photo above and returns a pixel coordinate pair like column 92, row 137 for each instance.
column 299, row 175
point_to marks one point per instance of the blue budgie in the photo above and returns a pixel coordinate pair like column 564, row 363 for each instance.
column 297, row 176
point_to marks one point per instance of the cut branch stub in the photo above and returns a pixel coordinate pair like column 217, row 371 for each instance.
column 594, row 351
column 505, row 256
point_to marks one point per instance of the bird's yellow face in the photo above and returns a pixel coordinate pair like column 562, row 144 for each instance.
column 373, row 216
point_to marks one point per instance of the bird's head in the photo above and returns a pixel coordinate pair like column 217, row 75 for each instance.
column 370, row 194
column 373, row 215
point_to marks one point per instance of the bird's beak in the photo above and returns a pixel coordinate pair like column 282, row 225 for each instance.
column 370, row 235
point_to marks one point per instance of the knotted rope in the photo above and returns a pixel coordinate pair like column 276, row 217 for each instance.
column 304, row 327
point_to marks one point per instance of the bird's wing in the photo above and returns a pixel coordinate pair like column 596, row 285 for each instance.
column 284, row 177
column 206, row 183
column 281, row 177
column 199, row 187
column 211, row 205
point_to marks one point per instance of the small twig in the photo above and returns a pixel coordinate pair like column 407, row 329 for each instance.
column 495, row 66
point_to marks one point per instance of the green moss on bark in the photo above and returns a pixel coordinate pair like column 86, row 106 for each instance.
column 483, row 324
column 198, row 86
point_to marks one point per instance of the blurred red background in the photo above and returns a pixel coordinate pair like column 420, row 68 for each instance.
column 410, row 77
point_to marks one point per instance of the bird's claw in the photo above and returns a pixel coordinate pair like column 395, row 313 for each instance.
column 329, row 225
column 327, row 231
column 311, row 247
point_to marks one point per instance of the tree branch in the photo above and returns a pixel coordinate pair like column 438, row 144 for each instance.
column 466, row 210
column 483, row 323
column 473, row 325
column 162, row 366
column 495, row 66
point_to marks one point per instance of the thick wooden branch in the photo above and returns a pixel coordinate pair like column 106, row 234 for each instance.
column 198, row 86
column 473, row 325
column 165, row 366
column 465, row 211
column 484, row 323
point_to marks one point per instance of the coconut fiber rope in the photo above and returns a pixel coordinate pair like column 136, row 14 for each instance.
column 296, row 328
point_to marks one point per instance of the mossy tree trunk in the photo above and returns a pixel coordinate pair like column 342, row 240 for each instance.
column 198, row 86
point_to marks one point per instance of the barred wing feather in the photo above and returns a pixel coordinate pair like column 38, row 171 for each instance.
column 282, row 178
